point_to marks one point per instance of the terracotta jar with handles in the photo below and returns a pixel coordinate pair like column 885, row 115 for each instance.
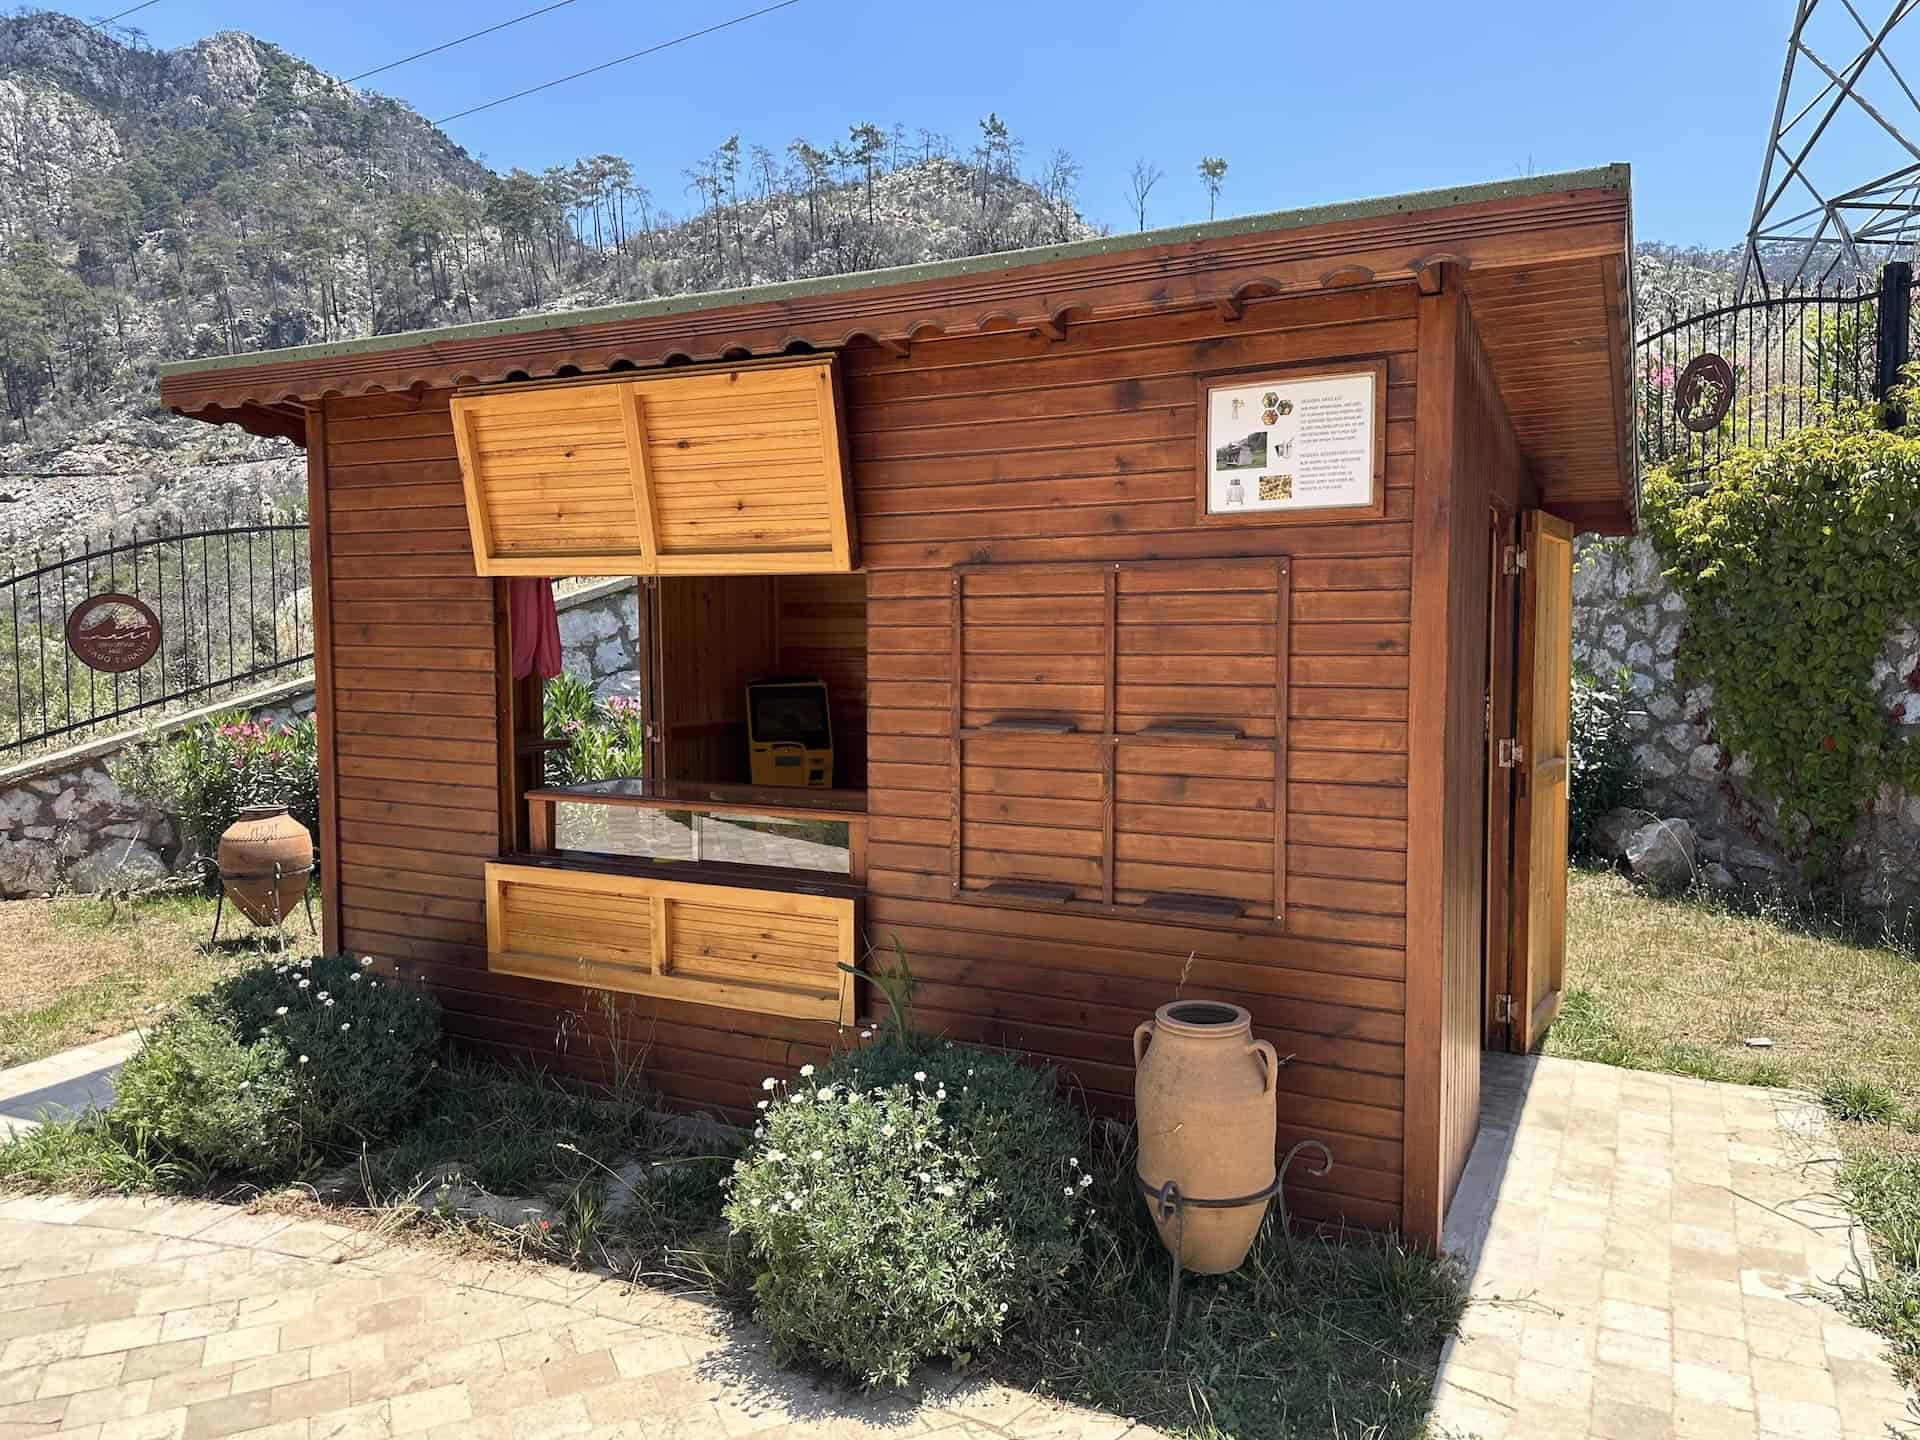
column 263, row 837
column 1204, row 1094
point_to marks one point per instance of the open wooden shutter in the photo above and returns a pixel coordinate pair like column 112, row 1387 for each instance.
column 1538, row 961
column 724, row 471
column 768, row 951
column 1118, row 736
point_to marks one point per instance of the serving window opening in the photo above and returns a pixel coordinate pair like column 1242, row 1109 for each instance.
column 651, row 851
column 739, row 741
column 696, row 830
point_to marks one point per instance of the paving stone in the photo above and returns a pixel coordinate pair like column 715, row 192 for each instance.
column 91, row 1372
column 1698, row 1317
column 119, row 1402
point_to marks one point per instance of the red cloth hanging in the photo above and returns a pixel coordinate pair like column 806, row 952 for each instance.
column 536, row 627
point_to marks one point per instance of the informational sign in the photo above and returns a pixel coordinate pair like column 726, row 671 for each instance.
column 1292, row 443
column 114, row 633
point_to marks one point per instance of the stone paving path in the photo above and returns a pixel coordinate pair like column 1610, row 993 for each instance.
column 1645, row 1253
column 63, row 1084
column 165, row 1320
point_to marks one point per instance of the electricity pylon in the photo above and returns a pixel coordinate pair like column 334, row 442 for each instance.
column 1850, row 76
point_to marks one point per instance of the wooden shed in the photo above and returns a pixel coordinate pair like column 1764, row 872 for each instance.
column 1191, row 611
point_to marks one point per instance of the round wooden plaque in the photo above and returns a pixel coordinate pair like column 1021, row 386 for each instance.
column 113, row 633
column 1697, row 411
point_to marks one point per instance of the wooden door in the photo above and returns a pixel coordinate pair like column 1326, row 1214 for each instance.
column 1538, row 947
column 1503, row 623
column 712, row 635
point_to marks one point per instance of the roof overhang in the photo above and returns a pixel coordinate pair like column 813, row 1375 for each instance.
column 1545, row 262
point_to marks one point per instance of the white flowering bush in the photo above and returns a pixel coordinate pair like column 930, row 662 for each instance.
column 902, row 1204
column 272, row 1067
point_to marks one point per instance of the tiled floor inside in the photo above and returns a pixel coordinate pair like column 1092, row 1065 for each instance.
column 1646, row 1254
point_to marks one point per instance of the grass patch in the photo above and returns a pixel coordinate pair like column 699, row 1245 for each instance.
column 79, row 968
column 1681, row 984
column 1308, row 1338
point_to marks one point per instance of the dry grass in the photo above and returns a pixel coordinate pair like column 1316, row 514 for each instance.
column 79, row 968
column 1682, row 985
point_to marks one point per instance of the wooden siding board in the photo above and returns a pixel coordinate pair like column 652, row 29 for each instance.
column 1329, row 986
column 1425, row 795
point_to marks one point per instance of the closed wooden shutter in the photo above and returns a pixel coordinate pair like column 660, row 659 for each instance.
column 1030, row 714
column 726, row 471
column 1119, row 737
column 1201, row 670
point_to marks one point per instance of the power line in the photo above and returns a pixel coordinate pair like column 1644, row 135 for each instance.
column 448, row 45
column 102, row 24
column 609, row 64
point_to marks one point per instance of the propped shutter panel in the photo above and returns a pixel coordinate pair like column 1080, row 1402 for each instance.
column 727, row 471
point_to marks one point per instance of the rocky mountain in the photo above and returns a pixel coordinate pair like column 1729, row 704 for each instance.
column 229, row 197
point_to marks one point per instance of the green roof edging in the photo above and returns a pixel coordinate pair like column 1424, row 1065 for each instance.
column 1605, row 177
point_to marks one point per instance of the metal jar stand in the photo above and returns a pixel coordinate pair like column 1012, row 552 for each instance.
column 1169, row 1204
column 276, row 875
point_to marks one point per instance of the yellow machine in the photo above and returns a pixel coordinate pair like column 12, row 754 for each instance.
column 789, row 733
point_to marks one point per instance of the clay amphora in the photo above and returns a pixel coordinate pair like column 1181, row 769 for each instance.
column 263, row 836
column 1204, row 1094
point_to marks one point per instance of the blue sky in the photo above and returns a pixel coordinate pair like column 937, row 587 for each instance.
column 1308, row 103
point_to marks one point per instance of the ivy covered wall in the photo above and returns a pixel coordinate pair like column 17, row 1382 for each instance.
column 1629, row 621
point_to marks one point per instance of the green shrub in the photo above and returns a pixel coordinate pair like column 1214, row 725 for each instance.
column 1794, row 561
column 1602, row 773
column 203, row 1091
column 605, row 738
column 908, row 1203
column 209, row 772
column 277, row 1065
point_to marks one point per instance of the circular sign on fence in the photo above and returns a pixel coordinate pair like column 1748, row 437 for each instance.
column 1704, row 394
column 113, row 632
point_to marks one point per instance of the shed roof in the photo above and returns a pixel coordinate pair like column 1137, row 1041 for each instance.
column 1545, row 261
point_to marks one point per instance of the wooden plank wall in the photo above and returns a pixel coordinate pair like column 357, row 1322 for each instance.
column 821, row 629
column 1489, row 471
column 999, row 447
column 716, row 634
column 1008, row 448
column 1470, row 463
column 413, row 722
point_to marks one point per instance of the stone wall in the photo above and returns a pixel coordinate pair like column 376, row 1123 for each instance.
column 64, row 824
column 600, row 637
column 1628, row 622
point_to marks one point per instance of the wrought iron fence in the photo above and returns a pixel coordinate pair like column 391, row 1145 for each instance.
column 1786, row 358
column 228, row 607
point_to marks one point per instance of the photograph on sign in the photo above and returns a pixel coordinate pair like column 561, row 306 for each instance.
column 1279, row 445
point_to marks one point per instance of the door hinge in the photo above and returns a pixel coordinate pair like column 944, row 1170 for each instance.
column 1510, row 753
column 1512, row 560
column 1486, row 723
column 1503, row 1009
